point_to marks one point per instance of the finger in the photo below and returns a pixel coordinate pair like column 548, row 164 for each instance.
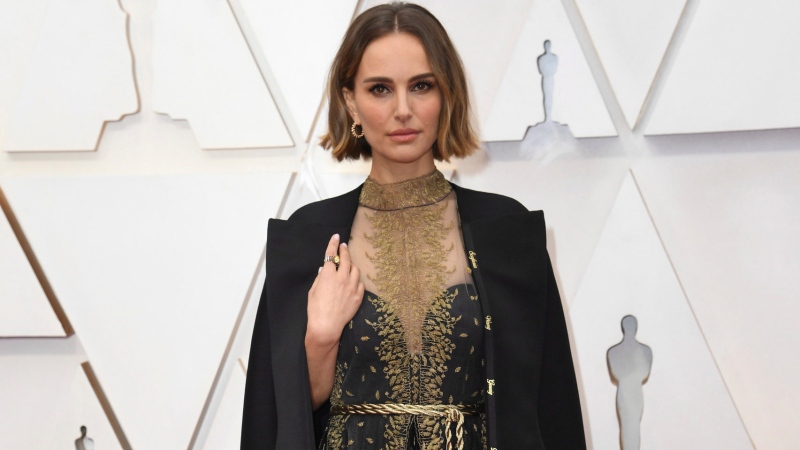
column 355, row 276
column 360, row 290
column 333, row 244
column 344, row 258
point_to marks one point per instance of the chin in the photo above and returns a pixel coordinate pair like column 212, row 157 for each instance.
column 403, row 154
column 404, row 158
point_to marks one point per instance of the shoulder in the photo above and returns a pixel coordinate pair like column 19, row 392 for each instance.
column 485, row 205
column 334, row 210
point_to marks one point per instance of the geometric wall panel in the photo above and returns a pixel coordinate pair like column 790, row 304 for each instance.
column 66, row 70
column 736, row 69
column 299, row 41
column 82, row 409
column 630, row 37
column 152, row 271
column 46, row 398
column 204, row 72
column 576, row 99
column 24, row 308
column 226, row 429
column 729, row 223
column 576, row 196
column 686, row 404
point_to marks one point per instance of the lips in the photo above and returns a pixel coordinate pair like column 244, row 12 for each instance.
column 404, row 134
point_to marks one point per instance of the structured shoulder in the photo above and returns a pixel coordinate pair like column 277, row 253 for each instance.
column 334, row 210
column 483, row 205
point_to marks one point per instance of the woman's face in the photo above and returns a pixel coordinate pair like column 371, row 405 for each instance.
column 397, row 102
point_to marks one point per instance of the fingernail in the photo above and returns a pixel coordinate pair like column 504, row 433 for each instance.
column 336, row 236
column 344, row 244
column 320, row 270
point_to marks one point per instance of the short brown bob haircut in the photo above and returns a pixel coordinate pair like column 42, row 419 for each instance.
column 457, row 136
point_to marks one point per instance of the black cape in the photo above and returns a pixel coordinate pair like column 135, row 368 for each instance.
column 534, row 402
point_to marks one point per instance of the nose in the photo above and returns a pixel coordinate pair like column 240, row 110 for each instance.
column 402, row 111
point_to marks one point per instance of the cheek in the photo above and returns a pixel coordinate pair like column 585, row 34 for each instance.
column 429, row 111
column 372, row 114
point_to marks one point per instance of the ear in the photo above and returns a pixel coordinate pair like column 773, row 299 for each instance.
column 350, row 101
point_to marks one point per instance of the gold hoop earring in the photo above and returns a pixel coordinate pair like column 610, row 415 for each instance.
column 353, row 130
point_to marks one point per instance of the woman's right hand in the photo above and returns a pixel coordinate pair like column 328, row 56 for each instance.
column 333, row 300
column 335, row 295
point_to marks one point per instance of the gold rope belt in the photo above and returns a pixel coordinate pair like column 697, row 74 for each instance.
column 453, row 413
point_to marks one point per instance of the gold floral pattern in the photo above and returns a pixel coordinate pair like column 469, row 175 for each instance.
column 425, row 190
column 422, row 383
column 417, row 337
column 409, row 261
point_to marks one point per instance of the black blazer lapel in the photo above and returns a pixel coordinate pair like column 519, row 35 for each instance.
column 510, row 272
column 506, row 247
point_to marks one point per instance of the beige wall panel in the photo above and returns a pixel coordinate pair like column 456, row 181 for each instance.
column 152, row 271
column 737, row 69
column 226, row 428
column 729, row 223
column 20, row 25
column 299, row 40
column 631, row 37
column 46, row 398
column 24, row 308
column 67, row 70
column 575, row 195
column 32, row 387
column 686, row 404
column 203, row 72
column 81, row 408
column 518, row 102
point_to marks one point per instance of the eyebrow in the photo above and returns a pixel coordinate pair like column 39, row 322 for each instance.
column 389, row 80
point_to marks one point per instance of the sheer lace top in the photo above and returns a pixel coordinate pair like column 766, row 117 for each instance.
column 418, row 336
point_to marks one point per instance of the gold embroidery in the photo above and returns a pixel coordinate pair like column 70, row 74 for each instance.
column 473, row 260
column 406, row 236
column 491, row 386
column 425, row 190
column 336, row 423
column 422, row 383
column 488, row 322
column 409, row 261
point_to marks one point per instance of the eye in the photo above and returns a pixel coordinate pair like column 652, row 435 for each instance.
column 379, row 89
column 422, row 86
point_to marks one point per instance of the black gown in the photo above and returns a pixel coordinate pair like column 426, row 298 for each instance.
column 530, row 396
column 417, row 338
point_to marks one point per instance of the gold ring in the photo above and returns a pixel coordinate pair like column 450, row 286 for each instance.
column 333, row 259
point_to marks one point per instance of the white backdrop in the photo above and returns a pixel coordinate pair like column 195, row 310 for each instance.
column 145, row 144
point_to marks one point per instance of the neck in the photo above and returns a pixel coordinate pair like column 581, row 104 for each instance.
column 385, row 172
column 422, row 191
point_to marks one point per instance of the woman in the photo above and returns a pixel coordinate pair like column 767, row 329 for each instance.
column 434, row 321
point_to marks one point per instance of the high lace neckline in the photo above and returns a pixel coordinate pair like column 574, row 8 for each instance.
column 421, row 191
